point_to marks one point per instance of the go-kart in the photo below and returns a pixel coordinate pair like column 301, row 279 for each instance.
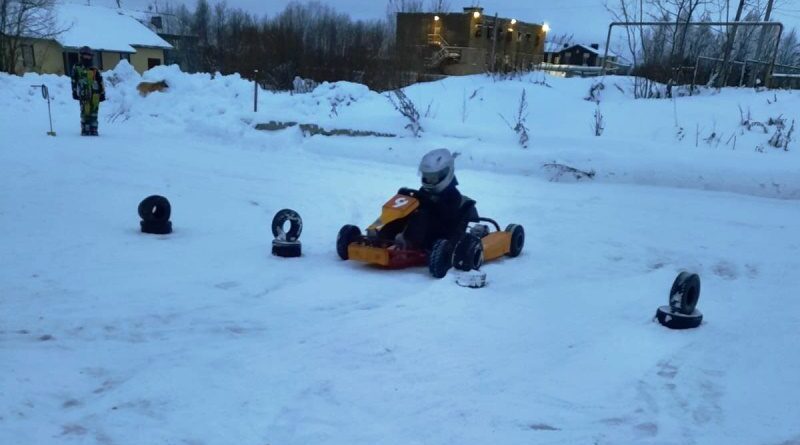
column 475, row 243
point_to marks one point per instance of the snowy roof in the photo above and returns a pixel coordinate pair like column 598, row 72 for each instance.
column 599, row 51
column 102, row 28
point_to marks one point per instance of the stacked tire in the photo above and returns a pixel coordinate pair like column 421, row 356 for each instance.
column 155, row 211
column 286, row 243
column 682, row 313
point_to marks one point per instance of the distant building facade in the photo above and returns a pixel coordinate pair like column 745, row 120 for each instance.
column 464, row 43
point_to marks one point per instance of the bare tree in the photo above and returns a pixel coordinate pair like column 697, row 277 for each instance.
column 439, row 6
column 723, row 77
column 21, row 20
column 626, row 11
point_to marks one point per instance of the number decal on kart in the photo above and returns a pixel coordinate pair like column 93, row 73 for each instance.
column 400, row 202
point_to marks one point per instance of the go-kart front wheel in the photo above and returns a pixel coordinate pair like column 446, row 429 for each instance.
column 517, row 239
column 441, row 258
column 468, row 254
column 347, row 234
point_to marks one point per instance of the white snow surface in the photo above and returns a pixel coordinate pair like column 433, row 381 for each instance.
column 103, row 29
column 110, row 336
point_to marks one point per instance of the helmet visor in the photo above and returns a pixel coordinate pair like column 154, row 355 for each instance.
column 434, row 178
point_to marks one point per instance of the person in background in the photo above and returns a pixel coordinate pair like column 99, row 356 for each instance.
column 88, row 89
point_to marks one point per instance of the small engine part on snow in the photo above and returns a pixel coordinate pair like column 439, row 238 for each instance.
column 682, row 313
column 155, row 211
column 474, row 279
column 286, row 243
column 286, row 249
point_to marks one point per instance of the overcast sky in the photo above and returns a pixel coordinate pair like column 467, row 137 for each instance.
column 587, row 20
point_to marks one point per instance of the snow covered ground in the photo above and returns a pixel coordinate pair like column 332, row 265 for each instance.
column 109, row 336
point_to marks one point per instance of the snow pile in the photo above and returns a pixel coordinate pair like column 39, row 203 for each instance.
column 695, row 142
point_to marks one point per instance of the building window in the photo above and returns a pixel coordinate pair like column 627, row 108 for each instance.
column 528, row 37
column 153, row 63
column 489, row 33
column 585, row 59
column 28, row 59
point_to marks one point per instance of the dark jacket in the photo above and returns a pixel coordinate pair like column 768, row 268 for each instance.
column 439, row 216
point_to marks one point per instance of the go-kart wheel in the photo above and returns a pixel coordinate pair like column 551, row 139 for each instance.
column 347, row 234
column 468, row 254
column 517, row 239
column 295, row 225
column 155, row 208
column 676, row 320
column 685, row 293
column 156, row 227
column 441, row 258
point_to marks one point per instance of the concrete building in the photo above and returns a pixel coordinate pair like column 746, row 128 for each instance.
column 464, row 42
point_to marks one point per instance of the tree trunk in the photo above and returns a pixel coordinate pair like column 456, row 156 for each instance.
column 758, row 68
column 723, row 77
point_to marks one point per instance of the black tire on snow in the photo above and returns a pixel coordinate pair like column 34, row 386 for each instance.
column 685, row 293
column 347, row 234
column 676, row 320
column 286, row 249
column 441, row 258
column 156, row 227
column 468, row 253
column 155, row 208
column 517, row 239
column 295, row 225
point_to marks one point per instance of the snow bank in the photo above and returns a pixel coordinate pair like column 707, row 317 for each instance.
column 690, row 142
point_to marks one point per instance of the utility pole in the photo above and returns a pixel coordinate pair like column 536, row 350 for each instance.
column 723, row 78
column 494, row 43
column 760, row 46
column 255, row 91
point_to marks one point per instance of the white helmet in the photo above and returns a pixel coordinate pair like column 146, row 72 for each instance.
column 437, row 170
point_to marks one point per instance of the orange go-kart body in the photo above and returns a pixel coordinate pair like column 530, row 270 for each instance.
column 385, row 253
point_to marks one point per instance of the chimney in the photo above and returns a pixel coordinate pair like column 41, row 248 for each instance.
column 157, row 22
column 595, row 46
column 566, row 45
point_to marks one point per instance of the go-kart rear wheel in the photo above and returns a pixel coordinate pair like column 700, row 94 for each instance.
column 517, row 239
column 441, row 258
column 468, row 254
column 347, row 234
